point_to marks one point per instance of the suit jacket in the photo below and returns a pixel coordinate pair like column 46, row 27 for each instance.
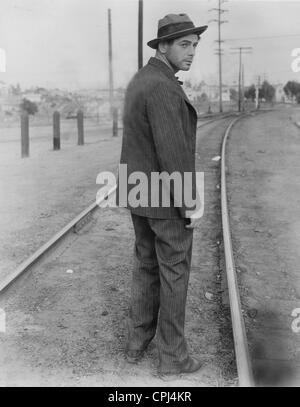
column 159, row 134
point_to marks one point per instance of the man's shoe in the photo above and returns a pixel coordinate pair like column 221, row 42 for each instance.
column 134, row 356
column 192, row 365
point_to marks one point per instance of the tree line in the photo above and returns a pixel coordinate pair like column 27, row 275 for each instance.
column 266, row 92
column 292, row 90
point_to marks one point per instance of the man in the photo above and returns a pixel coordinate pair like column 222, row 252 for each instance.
column 159, row 137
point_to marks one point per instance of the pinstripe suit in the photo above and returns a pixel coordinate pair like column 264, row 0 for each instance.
column 159, row 132
column 159, row 135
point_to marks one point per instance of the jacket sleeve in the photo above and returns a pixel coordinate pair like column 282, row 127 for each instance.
column 172, row 144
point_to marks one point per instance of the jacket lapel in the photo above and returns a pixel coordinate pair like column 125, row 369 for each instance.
column 186, row 99
column 170, row 74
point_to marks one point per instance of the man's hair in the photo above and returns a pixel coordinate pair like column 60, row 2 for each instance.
column 170, row 42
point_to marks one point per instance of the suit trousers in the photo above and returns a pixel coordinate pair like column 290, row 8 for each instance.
column 163, row 251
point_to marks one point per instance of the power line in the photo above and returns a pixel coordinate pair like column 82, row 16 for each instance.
column 263, row 38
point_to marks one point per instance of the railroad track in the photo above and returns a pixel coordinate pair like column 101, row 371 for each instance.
column 218, row 117
column 243, row 362
column 73, row 225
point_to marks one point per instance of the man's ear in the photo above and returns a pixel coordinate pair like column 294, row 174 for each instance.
column 162, row 47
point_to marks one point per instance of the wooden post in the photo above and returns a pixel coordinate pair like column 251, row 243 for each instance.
column 240, row 80
column 80, row 128
column 111, row 81
column 243, row 89
column 257, row 93
column 56, row 131
column 140, row 35
column 115, row 122
column 220, row 58
column 24, row 134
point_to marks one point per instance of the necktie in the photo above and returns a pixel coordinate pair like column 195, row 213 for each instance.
column 180, row 82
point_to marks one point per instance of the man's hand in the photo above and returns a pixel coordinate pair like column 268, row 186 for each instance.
column 195, row 216
column 194, row 222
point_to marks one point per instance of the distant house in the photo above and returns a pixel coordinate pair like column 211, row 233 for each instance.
column 226, row 94
column 33, row 97
column 4, row 89
column 280, row 96
column 10, row 104
column 211, row 91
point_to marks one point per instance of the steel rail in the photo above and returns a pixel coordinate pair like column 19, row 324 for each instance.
column 243, row 362
column 217, row 118
column 240, row 340
column 26, row 264
column 32, row 259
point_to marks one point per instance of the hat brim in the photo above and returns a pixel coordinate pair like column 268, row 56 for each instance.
column 196, row 30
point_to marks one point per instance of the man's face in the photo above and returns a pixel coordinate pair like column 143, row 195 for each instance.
column 181, row 52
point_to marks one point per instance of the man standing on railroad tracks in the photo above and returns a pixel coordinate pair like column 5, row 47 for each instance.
column 159, row 138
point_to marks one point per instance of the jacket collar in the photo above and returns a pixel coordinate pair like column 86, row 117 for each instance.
column 170, row 74
column 162, row 66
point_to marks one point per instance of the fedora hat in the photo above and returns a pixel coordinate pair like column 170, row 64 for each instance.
column 175, row 26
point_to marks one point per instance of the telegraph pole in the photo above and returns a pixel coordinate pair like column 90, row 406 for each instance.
column 243, row 89
column 241, row 50
column 219, row 50
column 140, row 35
column 111, row 83
column 257, row 86
column 220, row 55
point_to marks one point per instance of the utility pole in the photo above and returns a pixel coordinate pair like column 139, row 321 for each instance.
column 219, row 50
column 243, row 89
column 257, row 86
column 111, row 83
column 140, row 35
column 241, row 50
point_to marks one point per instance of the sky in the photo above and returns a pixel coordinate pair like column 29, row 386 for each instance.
column 64, row 43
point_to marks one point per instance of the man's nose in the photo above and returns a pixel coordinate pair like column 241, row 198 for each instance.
column 192, row 50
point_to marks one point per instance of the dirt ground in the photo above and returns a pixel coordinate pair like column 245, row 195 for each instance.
column 42, row 193
column 263, row 187
column 66, row 318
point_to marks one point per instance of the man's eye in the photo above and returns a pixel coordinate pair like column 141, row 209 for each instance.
column 184, row 45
